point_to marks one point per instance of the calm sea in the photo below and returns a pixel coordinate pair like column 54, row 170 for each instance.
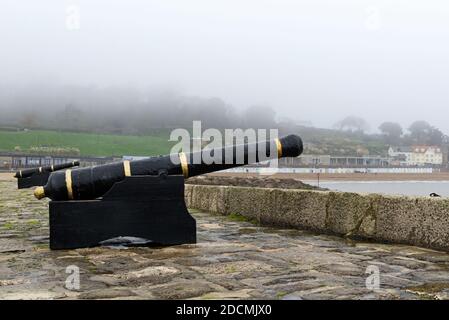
column 412, row 188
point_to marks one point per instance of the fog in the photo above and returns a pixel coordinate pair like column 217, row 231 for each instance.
column 316, row 60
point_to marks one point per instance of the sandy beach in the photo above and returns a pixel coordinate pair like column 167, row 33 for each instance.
column 5, row 176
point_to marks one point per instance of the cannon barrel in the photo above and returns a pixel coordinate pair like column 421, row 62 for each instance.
column 29, row 172
column 93, row 182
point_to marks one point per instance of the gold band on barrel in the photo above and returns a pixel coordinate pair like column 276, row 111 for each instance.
column 52, row 168
column 68, row 184
column 184, row 165
column 20, row 172
column 127, row 168
column 40, row 169
column 279, row 147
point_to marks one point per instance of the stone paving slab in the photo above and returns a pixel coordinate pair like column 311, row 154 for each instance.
column 233, row 259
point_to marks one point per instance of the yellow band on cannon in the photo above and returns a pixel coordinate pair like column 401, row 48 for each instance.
column 279, row 147
column 68, row 183
column 127, row 168
column 184, row 164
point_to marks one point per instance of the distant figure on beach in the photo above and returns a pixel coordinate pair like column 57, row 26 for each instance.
column 433, row 194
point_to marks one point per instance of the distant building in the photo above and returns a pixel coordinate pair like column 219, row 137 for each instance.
column 5, row 162
column 422, row 155
column 11, row 161
column 400, row 155
column 362, row 161
column 315, row 160
column 417, row 155
column 340, row 161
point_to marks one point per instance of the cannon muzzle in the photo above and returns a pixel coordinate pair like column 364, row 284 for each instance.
column 29, row 172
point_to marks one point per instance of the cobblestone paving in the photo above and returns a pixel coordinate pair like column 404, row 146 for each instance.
column 232, row 259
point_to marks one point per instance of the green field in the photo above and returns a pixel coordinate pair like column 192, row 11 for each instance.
column 318, row 141
column 89, row 144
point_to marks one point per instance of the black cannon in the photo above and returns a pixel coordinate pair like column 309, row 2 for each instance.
column 27, row 178
column 142, row 199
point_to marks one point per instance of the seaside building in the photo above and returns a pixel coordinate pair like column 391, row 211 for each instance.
column 427, row 155
column 417, row 155
column 400, row 155
column 308, row 160
column 12, row 161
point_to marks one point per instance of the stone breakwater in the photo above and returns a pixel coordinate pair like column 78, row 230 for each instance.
column 418, row 221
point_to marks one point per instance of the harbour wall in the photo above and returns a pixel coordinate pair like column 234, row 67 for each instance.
column 419, row 221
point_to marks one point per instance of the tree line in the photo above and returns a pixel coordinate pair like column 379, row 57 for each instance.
column 134, row 111
column 122, row 110
column 419, row 132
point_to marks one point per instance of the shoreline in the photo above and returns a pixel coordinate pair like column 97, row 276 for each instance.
column 324, row 177
column 440, row 176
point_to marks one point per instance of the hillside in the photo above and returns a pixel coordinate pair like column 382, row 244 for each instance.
column 340, row 143
column 89, row 144
column 317, row 141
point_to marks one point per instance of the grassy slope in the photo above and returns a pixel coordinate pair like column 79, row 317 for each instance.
column 87, row 143
column 327, row 141
column 318, row 141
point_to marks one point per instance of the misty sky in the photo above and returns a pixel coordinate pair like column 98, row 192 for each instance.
column 312, row 60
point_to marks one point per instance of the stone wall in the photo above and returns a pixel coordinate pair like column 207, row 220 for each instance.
column 419, row 221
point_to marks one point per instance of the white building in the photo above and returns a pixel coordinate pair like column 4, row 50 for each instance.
column 417, row 155
column 403, row 155
column 427, row 155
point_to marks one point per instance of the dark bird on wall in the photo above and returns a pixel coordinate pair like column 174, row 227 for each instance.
column 433, row 194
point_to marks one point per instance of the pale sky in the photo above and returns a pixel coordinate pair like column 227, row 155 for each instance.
column 313, row 60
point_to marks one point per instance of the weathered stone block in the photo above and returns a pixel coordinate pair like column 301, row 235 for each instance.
column 398, row 219
column 207, row 198
column 253, row 203
column 418, row 221
column 350, row 213
column 300, row 209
